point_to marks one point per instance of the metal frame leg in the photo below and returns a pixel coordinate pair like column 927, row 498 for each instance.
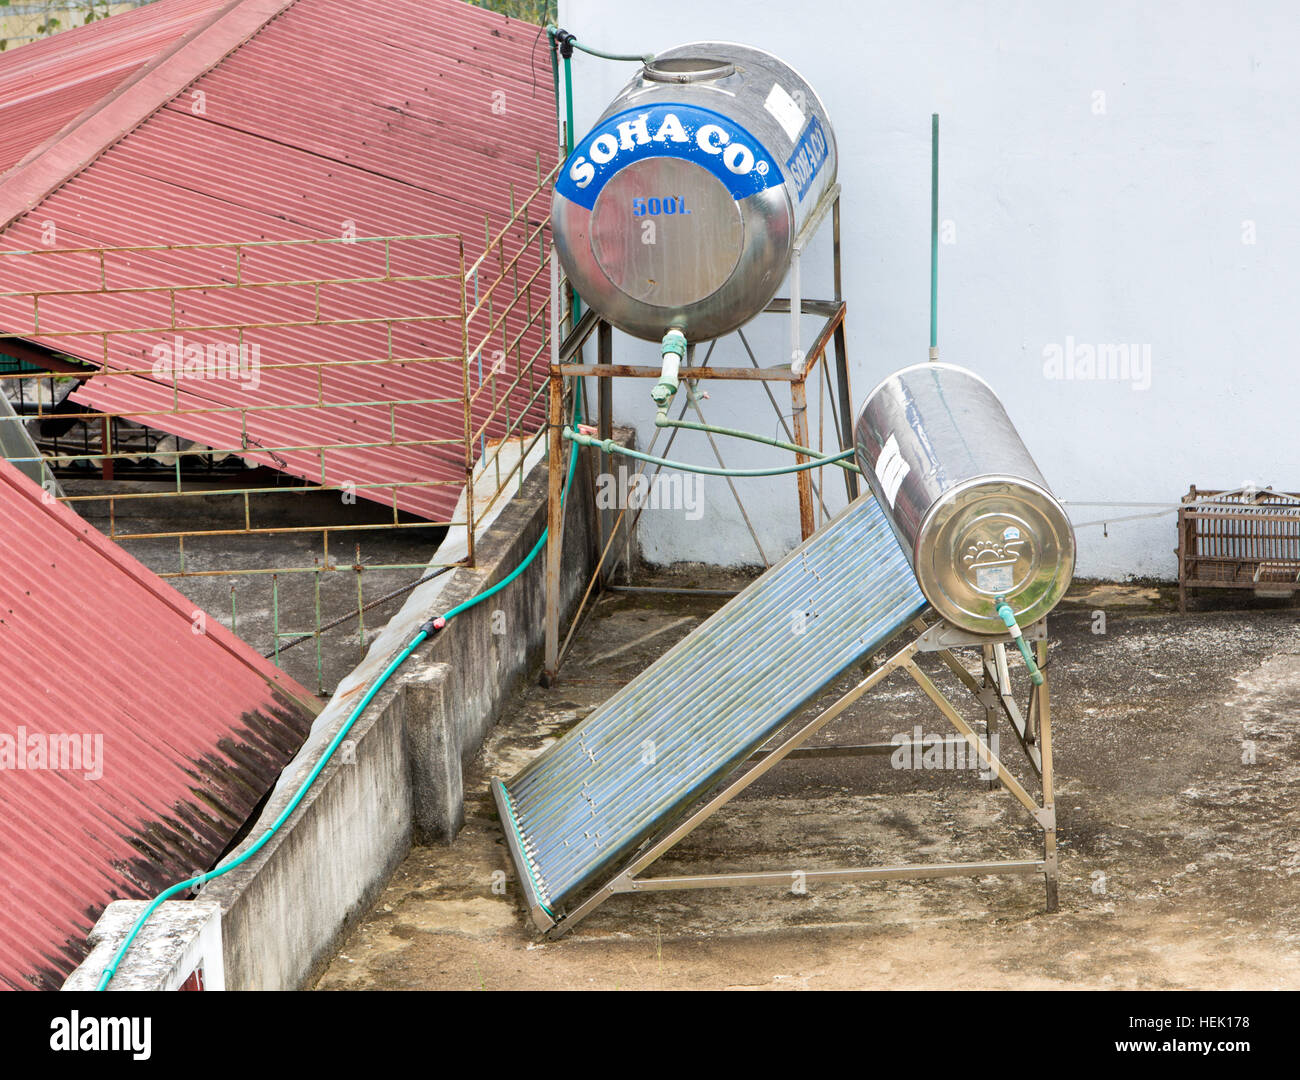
column 555, row 526
column 989, row 697
column 799, row 421
column 1044, row 714
column 605, row 427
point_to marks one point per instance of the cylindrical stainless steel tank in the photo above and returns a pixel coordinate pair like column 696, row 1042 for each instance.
column 966, row 500
column 681, row 206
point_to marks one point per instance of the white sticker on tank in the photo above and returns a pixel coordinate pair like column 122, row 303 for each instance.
column 786, row 110
column 994, row 579
column 891, row 470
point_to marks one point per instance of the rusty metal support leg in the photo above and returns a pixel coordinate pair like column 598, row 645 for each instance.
column 605, row 423
column 106, row 444
column 799, row 402
column 555, row 527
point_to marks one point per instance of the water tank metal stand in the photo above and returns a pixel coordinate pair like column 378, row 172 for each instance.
column 567, row 363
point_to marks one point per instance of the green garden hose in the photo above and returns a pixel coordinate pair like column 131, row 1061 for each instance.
column 609, row 446
column 430, row 627
column 664, row 420
column 1008, row 617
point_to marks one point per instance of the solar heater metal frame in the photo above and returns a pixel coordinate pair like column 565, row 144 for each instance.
column 1032, row 729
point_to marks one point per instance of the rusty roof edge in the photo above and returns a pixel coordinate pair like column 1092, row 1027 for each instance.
column 123, row 561
column 79, row 142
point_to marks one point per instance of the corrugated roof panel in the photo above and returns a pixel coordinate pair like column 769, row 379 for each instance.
column 192, row 730
column 47, row 83
column 417, row 122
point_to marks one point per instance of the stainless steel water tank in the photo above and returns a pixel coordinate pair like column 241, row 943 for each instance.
column 966, row 500
column 680, row 207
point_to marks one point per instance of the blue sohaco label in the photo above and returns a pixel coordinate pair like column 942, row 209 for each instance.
column 810, row 154
column 702, row 136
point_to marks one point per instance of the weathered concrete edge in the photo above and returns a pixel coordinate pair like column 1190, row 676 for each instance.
column 286, row 911
column 178, row 939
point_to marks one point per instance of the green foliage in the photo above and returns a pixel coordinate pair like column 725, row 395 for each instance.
column 78, row 12
column 539, row 12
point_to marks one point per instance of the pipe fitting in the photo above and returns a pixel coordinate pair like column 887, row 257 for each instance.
column 672, row 350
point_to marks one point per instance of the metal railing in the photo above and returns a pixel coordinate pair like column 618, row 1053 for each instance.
column 253, row 406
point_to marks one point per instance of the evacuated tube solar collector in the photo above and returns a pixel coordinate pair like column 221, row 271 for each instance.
column 680, row 208
column 965, row 499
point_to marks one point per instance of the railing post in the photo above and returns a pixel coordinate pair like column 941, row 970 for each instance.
column 555, row 527
column 469, row 422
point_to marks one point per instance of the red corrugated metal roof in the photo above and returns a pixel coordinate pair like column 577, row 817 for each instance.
column 194, row 729
column 331, row 111
column 45, row 84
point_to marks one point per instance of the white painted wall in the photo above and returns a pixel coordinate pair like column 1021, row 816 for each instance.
column 1105, row 167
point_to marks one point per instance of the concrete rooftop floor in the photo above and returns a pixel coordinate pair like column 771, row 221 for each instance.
column 1180, row 859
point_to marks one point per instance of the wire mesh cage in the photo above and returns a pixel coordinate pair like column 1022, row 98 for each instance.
column 1247, row 538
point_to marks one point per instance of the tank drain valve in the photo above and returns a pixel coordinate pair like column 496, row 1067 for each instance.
column 672, row 349
column 1008, row 617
